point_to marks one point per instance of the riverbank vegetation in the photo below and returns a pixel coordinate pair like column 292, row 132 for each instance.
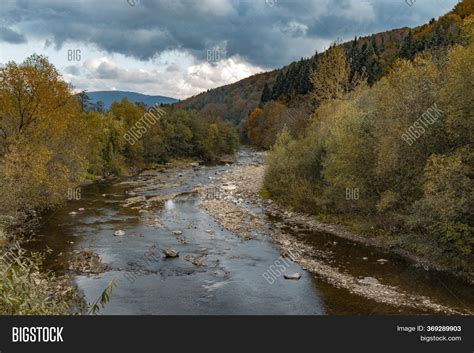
column 51, row 141
column 27, row 290
column 393, row 159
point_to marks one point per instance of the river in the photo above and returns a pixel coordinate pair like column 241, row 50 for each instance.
column 227, row 279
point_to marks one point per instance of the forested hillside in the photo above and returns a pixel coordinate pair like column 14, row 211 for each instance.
column 392, row 159
column 232, row 102
column 372, row 56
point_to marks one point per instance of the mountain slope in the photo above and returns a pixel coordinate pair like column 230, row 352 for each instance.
column 373, row 55
column 231, row 102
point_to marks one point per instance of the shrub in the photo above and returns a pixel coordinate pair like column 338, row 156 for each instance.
column 25, row 290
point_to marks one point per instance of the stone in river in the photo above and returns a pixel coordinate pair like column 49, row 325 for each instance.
column 195, row 260
column 171, row 253
column 119, row 233
column 177, row 232
column 292, row 276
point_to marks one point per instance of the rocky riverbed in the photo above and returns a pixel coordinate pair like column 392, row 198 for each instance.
column 239, row 189
column 198, row 239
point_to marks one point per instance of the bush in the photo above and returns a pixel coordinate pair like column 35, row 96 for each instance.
column 445, row 210
column 24, row 290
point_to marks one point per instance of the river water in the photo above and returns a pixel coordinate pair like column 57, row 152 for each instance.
column 230, row 279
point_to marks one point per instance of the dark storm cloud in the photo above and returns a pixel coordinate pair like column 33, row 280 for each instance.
column 266, row 33
column 10, row 36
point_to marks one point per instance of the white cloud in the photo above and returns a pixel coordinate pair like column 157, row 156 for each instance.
column 160, row 46
column 101, row 73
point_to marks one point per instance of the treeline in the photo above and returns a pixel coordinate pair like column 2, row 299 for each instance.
column 49, row 143
column 130, row 136
column 373, row 55
column 292, row 82
column 394, row 159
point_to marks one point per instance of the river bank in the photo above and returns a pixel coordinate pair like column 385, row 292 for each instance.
column 240, row 188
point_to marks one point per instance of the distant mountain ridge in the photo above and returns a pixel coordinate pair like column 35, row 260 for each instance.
column 108, row 97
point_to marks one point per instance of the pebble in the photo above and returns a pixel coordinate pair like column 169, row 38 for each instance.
column 294, row 276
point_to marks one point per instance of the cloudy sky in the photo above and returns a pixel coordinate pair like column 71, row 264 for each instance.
column 179, row 48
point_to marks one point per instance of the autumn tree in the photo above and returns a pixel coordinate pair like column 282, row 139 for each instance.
column 330, row 78
column 42, row 144
column 251, row 124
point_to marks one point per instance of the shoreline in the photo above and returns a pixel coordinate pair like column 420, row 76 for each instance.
column 309, row 223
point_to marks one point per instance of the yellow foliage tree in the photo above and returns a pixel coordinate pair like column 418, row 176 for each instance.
column 42, row 142
column 252, row 123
